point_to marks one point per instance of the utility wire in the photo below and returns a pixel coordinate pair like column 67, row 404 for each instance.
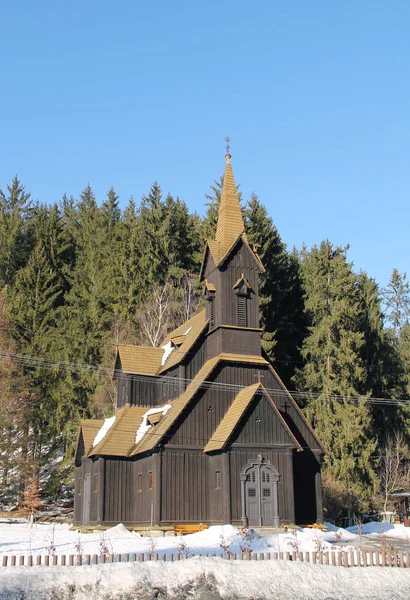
column 52, row 364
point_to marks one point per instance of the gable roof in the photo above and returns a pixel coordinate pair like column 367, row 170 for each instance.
column 139, row 360
column 220, row 257
column 187, row 339
column 234, row 414
column 88, row 430
column 152, row 438
column 120, row 438
column 147, row 360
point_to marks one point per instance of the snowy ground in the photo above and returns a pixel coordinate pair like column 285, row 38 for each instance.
column 45, row 538
column 195, row 578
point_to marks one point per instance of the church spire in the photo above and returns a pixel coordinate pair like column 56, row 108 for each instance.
column 230, row 220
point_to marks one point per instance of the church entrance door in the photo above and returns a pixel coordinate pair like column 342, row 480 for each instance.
column 259, row 483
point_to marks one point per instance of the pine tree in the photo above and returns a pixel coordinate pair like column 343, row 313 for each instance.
column 280, row 293
column 15, row 239
column 397, row 300
column 334, row 367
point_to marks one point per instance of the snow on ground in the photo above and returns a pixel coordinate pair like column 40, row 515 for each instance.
column 45, row 538
column 204, row 578
column 195, row 578
column 386, row 529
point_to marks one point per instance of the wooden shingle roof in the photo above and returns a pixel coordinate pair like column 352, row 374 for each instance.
column 230, row 219
column 154, row 437
column 139, row 360
column 89, row 429
column 185, row 338
column 120, row 438
column 234, row 414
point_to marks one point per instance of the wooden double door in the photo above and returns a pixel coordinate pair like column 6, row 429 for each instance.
column 260, row 494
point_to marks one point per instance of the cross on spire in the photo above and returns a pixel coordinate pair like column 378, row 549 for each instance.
column 227, row 140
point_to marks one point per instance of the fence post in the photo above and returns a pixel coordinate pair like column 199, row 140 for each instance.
column 307, row 557
column 71, row 560
column 133, row 557
column 327, row 561
column 407, row 560
column 320, row 558
column 30, row 561
column 4, row 561
column 87, row 559
column 63, row 560
column 13, row 561
column 21, row 561
column 38, row 560
column 351, row 559
column 401, row 558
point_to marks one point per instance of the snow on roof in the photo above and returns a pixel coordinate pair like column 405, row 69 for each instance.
column 145, row 426
column 102, row 432
column 168, row 348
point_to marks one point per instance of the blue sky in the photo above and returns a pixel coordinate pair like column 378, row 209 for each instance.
column 314, row 95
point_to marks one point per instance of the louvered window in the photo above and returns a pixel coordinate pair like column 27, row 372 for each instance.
column 212, row 312
column 218, row 480
column 242, row 316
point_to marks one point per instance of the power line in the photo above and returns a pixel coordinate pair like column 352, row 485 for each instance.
column 52, row 364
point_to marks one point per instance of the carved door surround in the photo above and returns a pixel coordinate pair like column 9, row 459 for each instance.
column 259, row 493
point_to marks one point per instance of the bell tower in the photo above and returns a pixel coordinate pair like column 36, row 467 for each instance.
column 230, row 272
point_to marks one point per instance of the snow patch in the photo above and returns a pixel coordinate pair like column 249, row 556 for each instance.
column 145, row 426
column 168, row 348
column 187, row 331
column 102, row 432
column 380, row 528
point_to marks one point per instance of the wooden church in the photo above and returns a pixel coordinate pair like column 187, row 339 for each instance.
column 204, row 429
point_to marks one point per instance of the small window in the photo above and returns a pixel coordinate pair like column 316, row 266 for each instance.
column 140, row 482
column 96, row 483
column 218, row 480
column 248, row 477
column 150, row 480
column 212, row 311
column 253, row 476
column 266, row 492
column 242, row 317
column 267, row 478
column 252, row 493
column 80, row 486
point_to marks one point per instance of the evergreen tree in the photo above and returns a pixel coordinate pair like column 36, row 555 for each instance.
column 397, row 300
column 280, row 292
column 15, row 240
column 334, row 367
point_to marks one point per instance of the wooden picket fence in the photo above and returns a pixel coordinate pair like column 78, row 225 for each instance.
column 342, row 558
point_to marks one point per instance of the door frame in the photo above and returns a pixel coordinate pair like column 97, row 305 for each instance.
column 257, row 464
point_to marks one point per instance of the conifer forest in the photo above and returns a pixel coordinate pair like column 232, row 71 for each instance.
column 81, row 275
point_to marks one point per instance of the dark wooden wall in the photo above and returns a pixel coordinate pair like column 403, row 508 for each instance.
column 123, row 502
column 184, row 486
column 95, row 470
column 225, row 277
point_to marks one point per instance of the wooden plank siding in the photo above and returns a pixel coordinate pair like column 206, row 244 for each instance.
column 184, row 486
column 224, row 279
